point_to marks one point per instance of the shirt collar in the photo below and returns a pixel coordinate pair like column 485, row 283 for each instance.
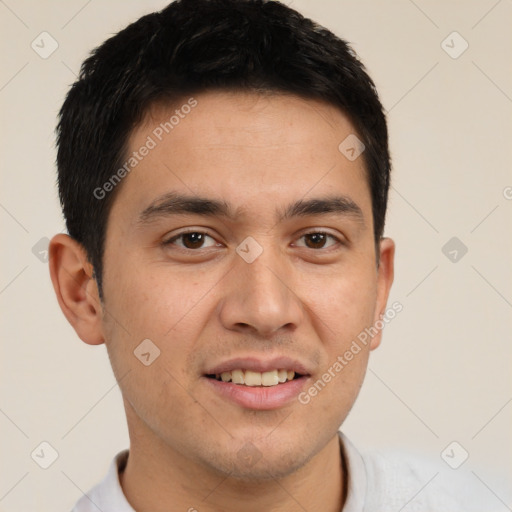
column 357, row 480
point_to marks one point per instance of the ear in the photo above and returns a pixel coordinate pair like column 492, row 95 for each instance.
column 76, row 289
column 385, row 274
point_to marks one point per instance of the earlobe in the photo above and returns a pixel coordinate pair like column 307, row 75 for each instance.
column 76, row 289
column 385, row 275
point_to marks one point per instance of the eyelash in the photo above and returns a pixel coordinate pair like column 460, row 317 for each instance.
column 176, row 237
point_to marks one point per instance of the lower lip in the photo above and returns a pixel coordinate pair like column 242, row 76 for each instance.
column 259, row 397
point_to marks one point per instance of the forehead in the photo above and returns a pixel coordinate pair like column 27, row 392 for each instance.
column 245, row 148
column 245, row 119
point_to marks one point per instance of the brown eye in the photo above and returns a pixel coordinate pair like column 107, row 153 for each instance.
column 315, row 240
column 191, row 240
column 318, row 240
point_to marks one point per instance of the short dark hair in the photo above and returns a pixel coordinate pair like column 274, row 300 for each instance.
column 193, row 46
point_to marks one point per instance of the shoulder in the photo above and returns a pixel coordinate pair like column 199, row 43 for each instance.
column 107, row 495
column 412, row 483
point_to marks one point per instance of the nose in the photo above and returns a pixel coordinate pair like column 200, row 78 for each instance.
column 261, row 299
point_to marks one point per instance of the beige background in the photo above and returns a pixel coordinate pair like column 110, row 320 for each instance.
column 443, row 370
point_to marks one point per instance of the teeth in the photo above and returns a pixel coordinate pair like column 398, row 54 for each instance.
column 237, row 377
column 250, row 378
column 269, row 378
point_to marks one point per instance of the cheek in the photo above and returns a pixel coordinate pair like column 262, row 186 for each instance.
column 168, row 308
column 343, row 308
column 343, row 303
column 148, row 342
column 154, row 302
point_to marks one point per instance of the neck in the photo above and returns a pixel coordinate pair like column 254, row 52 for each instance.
column 158, row 478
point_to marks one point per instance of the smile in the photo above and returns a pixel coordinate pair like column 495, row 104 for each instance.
column 252, row 378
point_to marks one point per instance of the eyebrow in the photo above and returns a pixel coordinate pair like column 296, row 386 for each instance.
column 180, row 204
column 340, row 205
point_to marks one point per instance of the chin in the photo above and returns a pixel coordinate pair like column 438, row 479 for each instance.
column 260, row 461
column 268, row 467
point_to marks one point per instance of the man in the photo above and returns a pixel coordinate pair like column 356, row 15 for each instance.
column 224, row 170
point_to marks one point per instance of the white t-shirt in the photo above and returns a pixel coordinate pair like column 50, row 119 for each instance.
column 376, row 483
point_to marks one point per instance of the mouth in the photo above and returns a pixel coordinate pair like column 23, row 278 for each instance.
column 255, row 384
column 243, row 377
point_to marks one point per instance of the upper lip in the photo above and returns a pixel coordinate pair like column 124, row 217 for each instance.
column 259, row 365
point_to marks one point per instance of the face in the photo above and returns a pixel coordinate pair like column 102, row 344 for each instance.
column 240, row 245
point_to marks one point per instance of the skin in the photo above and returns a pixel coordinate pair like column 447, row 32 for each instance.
column 201, row 306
